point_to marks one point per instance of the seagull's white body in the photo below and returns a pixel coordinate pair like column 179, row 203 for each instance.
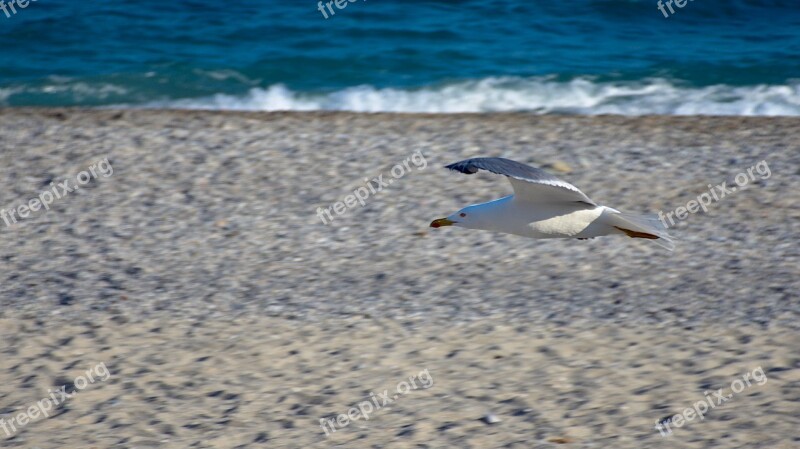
column 546, row 220
column 544, row 207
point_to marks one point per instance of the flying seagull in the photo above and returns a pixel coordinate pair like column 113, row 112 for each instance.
column 545, row 207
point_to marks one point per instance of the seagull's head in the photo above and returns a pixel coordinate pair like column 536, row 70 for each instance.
column 491, row 216
column 463, row 218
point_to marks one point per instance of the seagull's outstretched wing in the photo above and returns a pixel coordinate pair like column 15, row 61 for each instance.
column 530, row 183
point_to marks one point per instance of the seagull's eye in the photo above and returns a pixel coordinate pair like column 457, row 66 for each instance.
column 462, row 214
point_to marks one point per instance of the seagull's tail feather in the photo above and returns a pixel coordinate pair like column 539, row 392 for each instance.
column 643, row 227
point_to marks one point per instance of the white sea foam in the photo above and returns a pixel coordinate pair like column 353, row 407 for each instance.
column 77, row 91
column 540, row 95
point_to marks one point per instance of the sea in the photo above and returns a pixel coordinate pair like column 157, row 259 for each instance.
column 631, row 57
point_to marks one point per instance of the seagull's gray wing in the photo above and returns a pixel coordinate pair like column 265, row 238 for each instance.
column 529, row 183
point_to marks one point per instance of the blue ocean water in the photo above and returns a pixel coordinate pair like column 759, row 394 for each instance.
column 738, row 57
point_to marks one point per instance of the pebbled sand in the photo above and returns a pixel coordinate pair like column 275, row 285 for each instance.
column 267, row 382
column 229, row 316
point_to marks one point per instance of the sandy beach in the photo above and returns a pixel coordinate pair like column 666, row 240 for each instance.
column 193, row 264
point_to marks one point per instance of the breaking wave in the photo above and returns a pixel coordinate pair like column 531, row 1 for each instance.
column 538, row 95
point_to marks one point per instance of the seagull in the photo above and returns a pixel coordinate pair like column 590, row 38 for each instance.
column 545, row 207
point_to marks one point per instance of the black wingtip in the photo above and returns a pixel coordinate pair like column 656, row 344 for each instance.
column 462, row 167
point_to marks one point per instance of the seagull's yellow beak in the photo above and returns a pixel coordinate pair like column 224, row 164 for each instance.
column 441, row 222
